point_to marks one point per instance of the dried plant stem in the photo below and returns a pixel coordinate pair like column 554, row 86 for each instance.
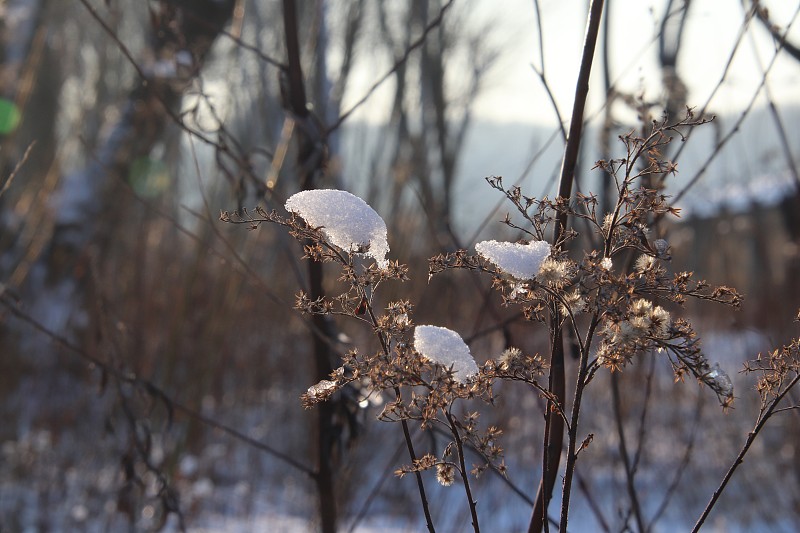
column 572, row 455
column 553, row 431
column 463, row 470
column 420, row 485
column 625, row 456
column 17, row 168
column 403, row 422
column 554, row 427
column 751, row 437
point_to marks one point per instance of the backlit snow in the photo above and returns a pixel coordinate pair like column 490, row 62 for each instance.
column 445, row 347
column 347, row 221
column 522, row 261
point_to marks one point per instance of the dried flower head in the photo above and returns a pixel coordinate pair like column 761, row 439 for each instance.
column 641, row 307
column 445, row 474
column 553, row 272
column 510, row 358
column 660, row 321
column 644, row 263
column 573, row 303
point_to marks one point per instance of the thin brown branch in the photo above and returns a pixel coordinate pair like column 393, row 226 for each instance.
column 400, row 62
column 630, row 474
column 149, row 387
column 17, row 168
column 464, row 473
column 751, row 437
column 735, row 128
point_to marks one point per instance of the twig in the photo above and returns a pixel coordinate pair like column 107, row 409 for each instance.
column 420, row 484
column 17, row 168
column 681, row 469
column 598, row 513
column 152, row 389
column 540, row 72
column 146, row 80
column 400, row 62
column 623, row 451
column 735, row 128
column 373, row 492
column 751, row 437
column 463, row 470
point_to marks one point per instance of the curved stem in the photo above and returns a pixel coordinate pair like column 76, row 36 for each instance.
column 420, row 485
column 463, row 469
column 751, row 437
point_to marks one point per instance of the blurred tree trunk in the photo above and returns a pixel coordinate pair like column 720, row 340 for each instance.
column 311, row 160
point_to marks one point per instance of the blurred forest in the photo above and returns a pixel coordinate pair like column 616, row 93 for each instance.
column 151, row 360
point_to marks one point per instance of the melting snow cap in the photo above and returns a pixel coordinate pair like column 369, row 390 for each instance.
column 347, row 221
column 445, row 347
column 522, row 261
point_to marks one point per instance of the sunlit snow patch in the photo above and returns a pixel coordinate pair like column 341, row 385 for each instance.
column 445, row 347
column 523, row 261
column 347, row 221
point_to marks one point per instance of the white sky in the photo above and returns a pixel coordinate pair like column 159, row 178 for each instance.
column 515, row 94
column 709, row 37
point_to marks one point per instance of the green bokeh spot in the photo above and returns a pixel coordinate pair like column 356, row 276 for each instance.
column 148, row 177
column 9, row 116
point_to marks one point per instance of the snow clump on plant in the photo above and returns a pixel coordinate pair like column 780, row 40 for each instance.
column 445, row 347
column 522, row 261
column 346, row 220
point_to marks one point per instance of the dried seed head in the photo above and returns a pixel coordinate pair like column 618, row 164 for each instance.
column 552, row 272
column 445, row 474
column 641, row 307
column 645, row 263
column 510, row 358
column 660, row 320
column 573, row 303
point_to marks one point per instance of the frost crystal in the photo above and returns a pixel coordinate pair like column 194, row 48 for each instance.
column 445, row 347
column 346, row 220
column 522, row 261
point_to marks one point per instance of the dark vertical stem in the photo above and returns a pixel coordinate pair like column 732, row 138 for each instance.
column 570, row 160
column 623, row 451
column 605, row 135
column 308, row 166
column 420, row 484
column 553, row 430
column 554, row 433
column 463, row 469
column 297, row 96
